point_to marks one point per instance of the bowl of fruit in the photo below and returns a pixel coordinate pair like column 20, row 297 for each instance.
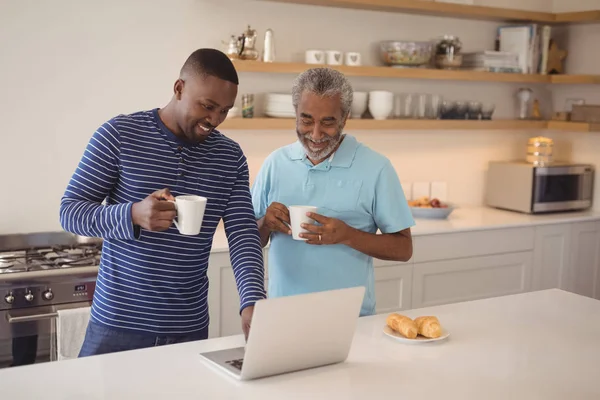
column 425, row 207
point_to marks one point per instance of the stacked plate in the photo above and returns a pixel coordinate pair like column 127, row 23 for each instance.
column 280, row 106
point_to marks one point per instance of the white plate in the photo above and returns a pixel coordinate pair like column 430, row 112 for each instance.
column 275, row 114
column 418, row 340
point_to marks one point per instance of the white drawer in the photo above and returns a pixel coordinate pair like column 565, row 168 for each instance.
column 470, row 244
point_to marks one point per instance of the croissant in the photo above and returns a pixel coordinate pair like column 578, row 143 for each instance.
column 429, row 327
column 403, row 325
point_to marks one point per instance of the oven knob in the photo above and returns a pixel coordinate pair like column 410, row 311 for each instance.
column 48, row 295
column 9, row 298
column 29, row 296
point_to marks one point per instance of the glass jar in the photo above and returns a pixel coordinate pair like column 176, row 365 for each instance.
column 448, row 45
column 248, row 106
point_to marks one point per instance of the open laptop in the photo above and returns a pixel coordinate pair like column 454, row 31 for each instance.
column 294, row 333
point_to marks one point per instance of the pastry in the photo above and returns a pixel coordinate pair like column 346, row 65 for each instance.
column 429, row 327
column 403, row 325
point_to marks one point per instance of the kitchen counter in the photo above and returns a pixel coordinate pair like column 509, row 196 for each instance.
column 538, row 345
column 470, row 219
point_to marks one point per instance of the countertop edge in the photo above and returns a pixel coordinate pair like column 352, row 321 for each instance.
column 429, row 227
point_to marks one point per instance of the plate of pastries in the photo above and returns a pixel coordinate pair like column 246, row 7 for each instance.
column 422, row 329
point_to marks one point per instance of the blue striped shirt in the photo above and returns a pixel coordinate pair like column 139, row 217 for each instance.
column 156, row 282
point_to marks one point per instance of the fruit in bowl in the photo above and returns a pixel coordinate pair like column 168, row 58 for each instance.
column 424, row 207
column 425, row 202
column 406, row 53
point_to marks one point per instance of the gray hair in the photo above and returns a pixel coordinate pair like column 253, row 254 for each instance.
column 324, row 82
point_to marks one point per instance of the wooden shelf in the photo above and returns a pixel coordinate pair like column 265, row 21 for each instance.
column 578, row 17
column 573, row 126
column 575, row 79
column 416, row 73
column 390, row 72
column 428, row 7
column 388, row 124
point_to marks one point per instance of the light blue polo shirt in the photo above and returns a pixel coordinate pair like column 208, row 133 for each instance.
column 358, row 186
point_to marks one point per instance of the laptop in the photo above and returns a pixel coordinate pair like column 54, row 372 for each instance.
column 294, row 333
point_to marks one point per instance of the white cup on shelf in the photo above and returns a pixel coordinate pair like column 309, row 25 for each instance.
column 353, row 59
column 314, row 57
column 334, row 57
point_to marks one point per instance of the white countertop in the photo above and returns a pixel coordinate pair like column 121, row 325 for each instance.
column 470, row 219
column 538, row 345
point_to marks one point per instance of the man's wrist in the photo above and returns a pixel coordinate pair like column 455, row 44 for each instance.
column 351, row 236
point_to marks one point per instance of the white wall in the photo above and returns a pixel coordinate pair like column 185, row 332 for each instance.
column 68, row 65
column 577, row 5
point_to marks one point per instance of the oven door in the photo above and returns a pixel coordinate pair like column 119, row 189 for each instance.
column 26, row 334
column 563, row 188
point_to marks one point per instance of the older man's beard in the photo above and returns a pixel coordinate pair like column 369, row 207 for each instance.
column 316, row 155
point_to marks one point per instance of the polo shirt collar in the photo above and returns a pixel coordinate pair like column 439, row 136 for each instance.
column 342, row 158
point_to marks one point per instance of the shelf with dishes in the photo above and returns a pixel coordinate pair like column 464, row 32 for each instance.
column 416, row 73
column 384, row 110
column 416, row 124
column 452, row 10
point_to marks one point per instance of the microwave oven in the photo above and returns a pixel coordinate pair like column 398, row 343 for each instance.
column 529, row 188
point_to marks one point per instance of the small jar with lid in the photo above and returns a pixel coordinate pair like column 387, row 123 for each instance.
column 447, row 52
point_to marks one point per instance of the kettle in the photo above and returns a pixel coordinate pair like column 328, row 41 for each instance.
column 243, row 47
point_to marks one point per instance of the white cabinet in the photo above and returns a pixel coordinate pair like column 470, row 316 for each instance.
column 393, row 286
column 584, row 263
column 551, row 256
column 463, row 266
column 453, row 267
column 462, row 279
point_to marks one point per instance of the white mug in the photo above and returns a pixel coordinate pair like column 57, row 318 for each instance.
column 353, row 59
column 334, row 57
column 314, row 57
column 298, row 217
column 190, row 213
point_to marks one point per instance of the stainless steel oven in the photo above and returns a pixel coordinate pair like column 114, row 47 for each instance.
column 41, row 274
column 528, row 188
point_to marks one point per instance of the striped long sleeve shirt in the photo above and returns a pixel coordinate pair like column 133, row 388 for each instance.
column 156, row 282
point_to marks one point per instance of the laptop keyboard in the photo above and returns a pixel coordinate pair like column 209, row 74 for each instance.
column 236, row 363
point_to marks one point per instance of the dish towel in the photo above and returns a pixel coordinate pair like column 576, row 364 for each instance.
column 71, row 325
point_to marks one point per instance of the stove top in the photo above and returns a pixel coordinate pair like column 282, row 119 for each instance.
column 49, row 258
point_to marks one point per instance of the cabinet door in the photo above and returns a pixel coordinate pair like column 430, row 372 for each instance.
column 223, row 298
column 585, row 259
column 393, row 287
column 450, row 281
column 551, row 256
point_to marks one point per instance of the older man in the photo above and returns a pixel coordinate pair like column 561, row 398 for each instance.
column 356, row 190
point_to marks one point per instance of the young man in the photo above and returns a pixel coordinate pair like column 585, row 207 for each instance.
column 152, row 283
column 356, row 190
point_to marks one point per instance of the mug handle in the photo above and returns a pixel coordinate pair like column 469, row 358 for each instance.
column 285, row 223
column 174, row 219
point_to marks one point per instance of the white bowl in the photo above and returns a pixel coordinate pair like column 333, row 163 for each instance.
column 432, row 213
column 234, row 112
column 381, row 104
column 359, row 104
